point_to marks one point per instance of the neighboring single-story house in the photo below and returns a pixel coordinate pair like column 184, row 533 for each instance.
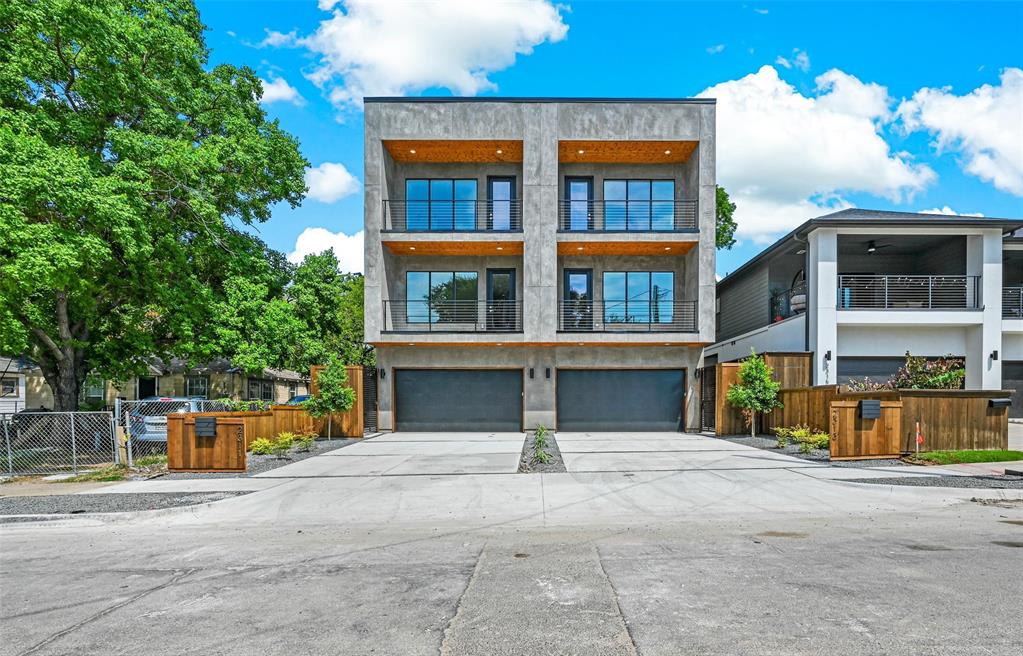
column 23, row 385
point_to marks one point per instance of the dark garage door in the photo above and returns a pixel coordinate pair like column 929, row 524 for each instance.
column 458, row 400
column 1012, row 378
column 620, row 399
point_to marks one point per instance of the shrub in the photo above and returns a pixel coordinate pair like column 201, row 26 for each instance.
column 810, row 438
column 280, row 447
column 783, row 436
column 539, row 444
column 261, row 447
column 304, row 442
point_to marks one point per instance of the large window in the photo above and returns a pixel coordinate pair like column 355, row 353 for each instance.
column 198, row 386
column 639, row 204
column 260, row 390
column 440, row 204
column 639, row 296
column 441, row 296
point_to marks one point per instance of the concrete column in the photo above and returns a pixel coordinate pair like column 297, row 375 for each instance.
column 822, row 315
column 984, row 259
column 539, row 223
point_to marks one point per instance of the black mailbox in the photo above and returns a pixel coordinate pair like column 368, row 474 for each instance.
column 205, row 426
column 999, row 403
column 870, row 409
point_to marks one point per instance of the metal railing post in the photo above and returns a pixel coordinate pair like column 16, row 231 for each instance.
column 886, row 292
column 74, row 447
column 930, row 292
column 113, row 438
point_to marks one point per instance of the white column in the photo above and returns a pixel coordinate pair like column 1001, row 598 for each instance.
column 822, row 283
column 984, row 259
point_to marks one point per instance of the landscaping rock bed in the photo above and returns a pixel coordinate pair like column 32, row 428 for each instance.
column 258, row 464
column 768, row 443
column 74, row 504
column 554, row 466
column 986, row 482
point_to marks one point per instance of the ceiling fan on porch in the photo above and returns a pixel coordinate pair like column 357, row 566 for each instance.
column 873, row 246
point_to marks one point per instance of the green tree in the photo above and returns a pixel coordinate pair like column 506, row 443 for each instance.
column 725, row 224
column 128, row 173
column 756, row 391
column 333, row 393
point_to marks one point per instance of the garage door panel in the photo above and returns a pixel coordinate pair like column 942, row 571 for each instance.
column 620, row 399
column 458, row 400
column 1012, row 379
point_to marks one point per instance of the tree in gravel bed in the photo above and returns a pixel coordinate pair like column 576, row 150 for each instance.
column 756, row 391
column 333, row 394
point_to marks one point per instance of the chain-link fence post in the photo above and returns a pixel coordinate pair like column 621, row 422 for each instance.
column 7, row 443
column 74, row 446
column 113, row 441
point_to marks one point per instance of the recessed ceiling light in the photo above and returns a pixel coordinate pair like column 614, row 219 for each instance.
column 667, row 248
column 411, row 344
column 500, row 248
column 499, row 151
column 581, row 152
column 412, row 248
column 579, row 248
column 580, row 343
column 500, row 344
column 413, row 151
column 667, row 152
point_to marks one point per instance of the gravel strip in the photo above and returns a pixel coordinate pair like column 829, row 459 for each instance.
column 987, row 482
column 260, row 464
column 556, row 465
column 817, row 455
column 73, row 504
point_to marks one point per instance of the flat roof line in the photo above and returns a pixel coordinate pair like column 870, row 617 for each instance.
column 528, row 99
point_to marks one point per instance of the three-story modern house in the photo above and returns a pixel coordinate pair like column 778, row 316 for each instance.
column 538, row 261
column 859, row 288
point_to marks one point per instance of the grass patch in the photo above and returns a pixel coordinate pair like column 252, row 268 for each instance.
column 102, row 475
column 960, row 457
column 151, row 460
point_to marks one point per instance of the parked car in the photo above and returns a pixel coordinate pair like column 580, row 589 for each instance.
column 148, row 419
column 298, row 400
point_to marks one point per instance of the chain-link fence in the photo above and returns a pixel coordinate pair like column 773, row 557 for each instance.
column 145, row 422
column 56, row 442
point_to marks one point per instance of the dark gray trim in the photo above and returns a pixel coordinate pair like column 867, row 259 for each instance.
column 528, row 99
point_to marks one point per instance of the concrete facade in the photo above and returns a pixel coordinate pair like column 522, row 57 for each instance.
column 539, row 125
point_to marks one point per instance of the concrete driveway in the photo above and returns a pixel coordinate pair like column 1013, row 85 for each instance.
column 409, row 454
column 637, row 452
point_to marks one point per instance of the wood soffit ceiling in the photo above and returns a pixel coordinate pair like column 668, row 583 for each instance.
column 454, row 247
column 625, row 152
column 624, row 247
column 452, row 151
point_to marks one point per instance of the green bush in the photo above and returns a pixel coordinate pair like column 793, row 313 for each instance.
column 539, row 444
column 783, row 436
column 304, row 442
column 261, row 447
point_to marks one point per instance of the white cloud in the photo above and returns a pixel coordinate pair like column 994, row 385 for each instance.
column 948, row 211
column 231, row 34
column 799, row 59
column 762, row 12
column 985, row 126
column 713, row 50
column 781, row 61
column 330, row 182
column 785, row 157
column 278, row 90
column 275, row 39
column 326, row 5
column 347, row 248
column 393, row 48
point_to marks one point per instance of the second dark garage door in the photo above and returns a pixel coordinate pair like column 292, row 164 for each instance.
column 620, row 399
column 458, row 400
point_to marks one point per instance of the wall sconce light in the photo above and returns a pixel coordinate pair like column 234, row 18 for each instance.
column 994, row 355
column 827, row 356
column 530, row 373
column 383, row 374
column 548, row 373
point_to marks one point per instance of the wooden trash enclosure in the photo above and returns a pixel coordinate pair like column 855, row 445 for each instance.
column 854, row 437
column 223, row 452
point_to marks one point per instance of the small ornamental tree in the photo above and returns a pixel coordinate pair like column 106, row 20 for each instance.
column 756, row 390
column 333, row 393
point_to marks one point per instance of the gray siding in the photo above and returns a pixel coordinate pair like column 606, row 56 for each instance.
column 744, row 304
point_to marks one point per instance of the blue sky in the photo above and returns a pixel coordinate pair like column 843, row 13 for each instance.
column 908, row 105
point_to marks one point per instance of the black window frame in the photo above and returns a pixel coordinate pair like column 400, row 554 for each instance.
column 6, row 381
column 649, row 302
column 473, row 204
column 628, row 203
column 265, row 385
column 466, row 315
column 197, row 377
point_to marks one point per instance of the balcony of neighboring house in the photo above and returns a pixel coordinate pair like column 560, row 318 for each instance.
column 452, row 197
column 628, row 197
column 905, row 273
column 1012, row 284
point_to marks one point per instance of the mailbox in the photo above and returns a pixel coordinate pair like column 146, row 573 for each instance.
column 870, row 409
column 205, row 426
column 999, row 403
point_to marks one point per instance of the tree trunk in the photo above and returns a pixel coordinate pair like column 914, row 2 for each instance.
column 65, row 382
column 330, row 417
column 752, row 423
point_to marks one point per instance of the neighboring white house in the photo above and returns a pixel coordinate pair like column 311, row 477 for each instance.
column 860, row 288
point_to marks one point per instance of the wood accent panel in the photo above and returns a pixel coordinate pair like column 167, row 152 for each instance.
column 667, row 248
column 224, row 452
column 626, row 152
column 347, row 424
column 454, row 247
column 854, row 437
column 437, row 151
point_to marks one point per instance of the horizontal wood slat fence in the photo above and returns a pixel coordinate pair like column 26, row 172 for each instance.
column 791, row 370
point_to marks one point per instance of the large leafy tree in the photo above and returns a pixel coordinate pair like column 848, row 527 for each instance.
column 128, row 171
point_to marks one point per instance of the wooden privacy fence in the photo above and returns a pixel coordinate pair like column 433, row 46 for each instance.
column 957, row 419
column 853, row 436
column 347, row 424
column 225, row 451
column 791, row 370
